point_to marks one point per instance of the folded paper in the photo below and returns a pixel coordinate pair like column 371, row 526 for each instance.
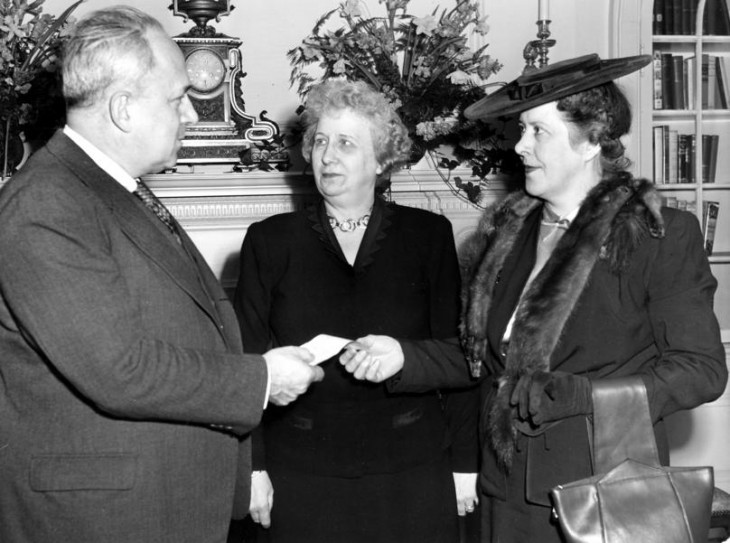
column 324, row 347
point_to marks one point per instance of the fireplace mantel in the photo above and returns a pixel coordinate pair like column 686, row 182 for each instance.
column 217, row 208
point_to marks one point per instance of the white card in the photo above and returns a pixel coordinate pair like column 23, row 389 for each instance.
column 325, row 346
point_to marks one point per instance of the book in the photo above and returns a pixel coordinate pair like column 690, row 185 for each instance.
column 687, row 21
column 723, row 78
column 667, row 17
column 659, row 175
column 683, row 162
column 716, row 19
column 657, row 21
column 690, row 67
column 710, row 211
column 657, row 78
column 678, row 99
column 691, row 158
column 670, row 155
column 710, row 145
column 676, row 17
column 667, row 81
column 714, row 148
column 709, row 81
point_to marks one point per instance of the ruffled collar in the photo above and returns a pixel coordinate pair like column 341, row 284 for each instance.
column 375, row 232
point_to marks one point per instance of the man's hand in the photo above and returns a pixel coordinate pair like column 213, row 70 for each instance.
column 290, row 373
column 373, row 358
column 262, row 498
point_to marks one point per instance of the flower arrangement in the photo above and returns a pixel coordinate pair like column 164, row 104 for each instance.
column 30, row 43
column 426, row 68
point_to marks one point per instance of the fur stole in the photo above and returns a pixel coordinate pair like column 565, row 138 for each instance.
column 615, row 217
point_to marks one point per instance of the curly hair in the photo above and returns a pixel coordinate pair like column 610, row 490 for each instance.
column 601, row 115
column 390, row 136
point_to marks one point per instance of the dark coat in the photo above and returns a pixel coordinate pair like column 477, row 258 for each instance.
column 119, row 352
column 627, row 291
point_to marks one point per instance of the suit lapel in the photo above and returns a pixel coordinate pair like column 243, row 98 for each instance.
column 141, row 227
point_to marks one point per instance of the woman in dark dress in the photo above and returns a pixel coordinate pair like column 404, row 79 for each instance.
column 350, row 461
column 580, row 278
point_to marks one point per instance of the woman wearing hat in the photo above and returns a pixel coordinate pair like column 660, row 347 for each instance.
column 582, row 276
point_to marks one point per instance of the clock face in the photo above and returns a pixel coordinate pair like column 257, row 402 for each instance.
column 206, row 70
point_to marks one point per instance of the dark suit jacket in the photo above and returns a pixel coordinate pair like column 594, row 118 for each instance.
column 124, row 393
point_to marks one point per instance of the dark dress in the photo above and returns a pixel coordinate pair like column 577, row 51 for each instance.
column 350, row 461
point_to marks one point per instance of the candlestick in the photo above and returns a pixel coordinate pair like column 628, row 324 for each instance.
column 543, row 10
column 537, row 50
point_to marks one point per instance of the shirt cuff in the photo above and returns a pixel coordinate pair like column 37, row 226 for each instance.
column 268, row 389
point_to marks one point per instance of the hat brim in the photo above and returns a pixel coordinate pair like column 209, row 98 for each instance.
column 553, row 82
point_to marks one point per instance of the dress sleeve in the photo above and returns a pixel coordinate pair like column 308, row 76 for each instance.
column 252, row 300
column 691, row 369
column 443, row 352
column 438, row 363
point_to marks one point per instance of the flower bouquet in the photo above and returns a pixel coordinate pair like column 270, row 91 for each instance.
column 426, row 68
column 30, row 95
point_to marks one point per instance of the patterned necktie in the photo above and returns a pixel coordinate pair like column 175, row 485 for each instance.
column 144, row 193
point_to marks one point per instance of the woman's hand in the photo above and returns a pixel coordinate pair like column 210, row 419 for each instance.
column 466, row 492
column 547, row 396
column 262, row 498
column 373, row 358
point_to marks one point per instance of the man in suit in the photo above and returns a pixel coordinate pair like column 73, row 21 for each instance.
column 125, row 397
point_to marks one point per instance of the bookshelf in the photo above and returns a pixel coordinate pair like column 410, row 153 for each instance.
column 697, row 117
column 696, row 436
column 690, row 42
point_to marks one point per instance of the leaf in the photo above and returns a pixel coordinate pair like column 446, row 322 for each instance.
column 322, row 20
column 40, row 46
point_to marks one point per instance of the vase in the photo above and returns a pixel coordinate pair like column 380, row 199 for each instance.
column 14, row 153
column 11, row 150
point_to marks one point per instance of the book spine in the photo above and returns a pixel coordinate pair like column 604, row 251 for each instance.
column 689, row 72
column 710, row 211
column 714, row 147
column 657, row 71
column 677, row 17
column 658, row 17
column 678, row 82
column 706, row 150
column 671, row 156
column 682, row 159
column 667, row 81
column 659, row 172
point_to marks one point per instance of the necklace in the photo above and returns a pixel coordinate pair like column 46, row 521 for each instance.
column 349, row 225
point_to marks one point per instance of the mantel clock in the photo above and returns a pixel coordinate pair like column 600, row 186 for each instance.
column 214, row 65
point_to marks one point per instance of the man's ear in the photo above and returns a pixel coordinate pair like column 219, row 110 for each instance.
column 120, row 110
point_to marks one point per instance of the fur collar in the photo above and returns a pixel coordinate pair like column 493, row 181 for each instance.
column 612, row 221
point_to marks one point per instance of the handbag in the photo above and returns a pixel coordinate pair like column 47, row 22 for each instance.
column 632, row 498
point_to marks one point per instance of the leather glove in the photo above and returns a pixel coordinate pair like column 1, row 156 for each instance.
column 547, row 396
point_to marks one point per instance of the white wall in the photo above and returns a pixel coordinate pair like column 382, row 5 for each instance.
column 269, row 28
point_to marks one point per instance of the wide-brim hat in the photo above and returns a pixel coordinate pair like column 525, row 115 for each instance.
column 552, row 82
